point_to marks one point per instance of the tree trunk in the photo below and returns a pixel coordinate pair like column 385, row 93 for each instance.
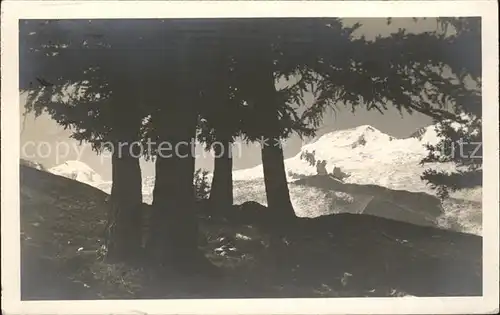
column 278, row 196
column 125, row 218
column 124, row 237
column 221, row 192
column 175, row 231
column 174, row 226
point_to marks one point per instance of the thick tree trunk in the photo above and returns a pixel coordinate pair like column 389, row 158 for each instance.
column 175, row 233
column 124, row 236
column 278, row 195
column 174, row 223
column 175, row 229
column 221, row 191
column 125, row 219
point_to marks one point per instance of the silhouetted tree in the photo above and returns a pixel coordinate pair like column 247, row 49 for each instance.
column 265, row 52
column 461, row 136
column 219, row 122
column 119, row 65
column 401, row 70
column 435, row 73
column 70, row 71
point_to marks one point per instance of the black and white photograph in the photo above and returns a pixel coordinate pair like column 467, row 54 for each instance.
column 225, row 155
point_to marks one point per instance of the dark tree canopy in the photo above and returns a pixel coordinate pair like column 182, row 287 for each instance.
column 461, row 136
column 403, row 70
column 130, row 80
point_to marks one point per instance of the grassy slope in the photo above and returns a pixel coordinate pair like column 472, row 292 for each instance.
column 339, row 255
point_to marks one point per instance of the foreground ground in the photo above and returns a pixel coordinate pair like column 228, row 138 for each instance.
column 62, row 224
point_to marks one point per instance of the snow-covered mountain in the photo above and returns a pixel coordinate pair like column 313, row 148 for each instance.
column 370, row 157
column 33, row 164
column 367, row 154
column 81, row 172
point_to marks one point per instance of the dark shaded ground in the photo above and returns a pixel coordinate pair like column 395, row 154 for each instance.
column 338, row 255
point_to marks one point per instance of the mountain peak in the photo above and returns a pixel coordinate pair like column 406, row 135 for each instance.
column 367, row 128
column 360, row 150
column 353, row 137
column 75, row 164
column 33, row 164
column 77, row 170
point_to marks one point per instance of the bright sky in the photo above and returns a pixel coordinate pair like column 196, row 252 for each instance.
column 43, row 129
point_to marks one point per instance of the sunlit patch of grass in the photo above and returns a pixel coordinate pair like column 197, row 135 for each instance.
column 310, row 201
column 252, row 190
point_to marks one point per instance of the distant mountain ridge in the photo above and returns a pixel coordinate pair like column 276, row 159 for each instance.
column 33, row 164
column 356, row 148
column 79, row 171
column 370, row 157
column 374, row 160
column 367, row 154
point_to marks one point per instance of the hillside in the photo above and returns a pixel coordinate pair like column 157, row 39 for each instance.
column 62, row 224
